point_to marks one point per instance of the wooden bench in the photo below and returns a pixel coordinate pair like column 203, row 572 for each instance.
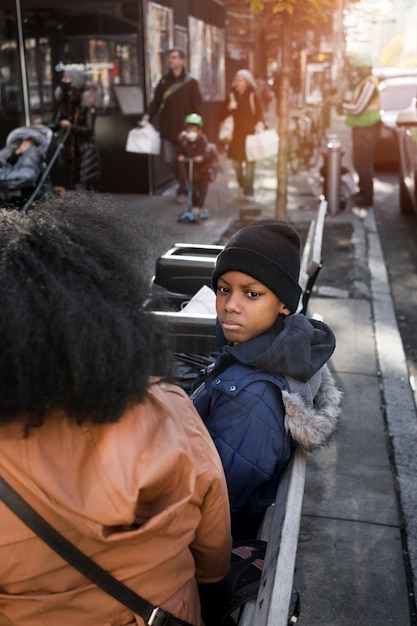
column 281, row 522
column 280, row 528
column 311, row 259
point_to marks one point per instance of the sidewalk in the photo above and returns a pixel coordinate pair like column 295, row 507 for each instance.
column 360, row 491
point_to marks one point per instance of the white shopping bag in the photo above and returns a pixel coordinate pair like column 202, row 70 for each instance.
column 226, row 130
column 262, row 145
column 144, row 140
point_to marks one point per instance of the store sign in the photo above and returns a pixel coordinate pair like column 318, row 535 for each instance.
column 84, row 67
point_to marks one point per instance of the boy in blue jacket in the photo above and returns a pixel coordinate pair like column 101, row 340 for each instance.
column 269, row 389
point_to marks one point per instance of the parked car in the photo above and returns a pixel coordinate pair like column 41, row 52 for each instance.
column 396, row 95
column 407, row 141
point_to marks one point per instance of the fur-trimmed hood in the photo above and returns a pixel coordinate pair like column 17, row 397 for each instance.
column 294, row 360
column 312, row 422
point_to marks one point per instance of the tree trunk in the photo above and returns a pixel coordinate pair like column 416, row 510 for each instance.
column 283, row 118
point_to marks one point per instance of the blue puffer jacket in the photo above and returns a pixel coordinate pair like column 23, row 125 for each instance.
column 259, row 400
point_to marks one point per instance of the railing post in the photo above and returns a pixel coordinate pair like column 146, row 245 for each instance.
column 333, row 174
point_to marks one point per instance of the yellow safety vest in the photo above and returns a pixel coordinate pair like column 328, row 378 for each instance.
column 372, row 114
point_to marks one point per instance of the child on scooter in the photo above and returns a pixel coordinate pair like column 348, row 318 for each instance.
column 199, row 158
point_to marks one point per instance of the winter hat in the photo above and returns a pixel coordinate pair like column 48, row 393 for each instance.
column 77, row 78
column 247, row 76
column 268, row 250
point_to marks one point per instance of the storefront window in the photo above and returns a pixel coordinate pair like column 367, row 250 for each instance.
column 204, row 42
column 52, row 44
column 39, row 73
column 207, row 58
column 10, row 90
column 159, row 40
column 111, row 63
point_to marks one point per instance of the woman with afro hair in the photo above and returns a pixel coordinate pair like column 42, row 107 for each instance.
column 91, row 433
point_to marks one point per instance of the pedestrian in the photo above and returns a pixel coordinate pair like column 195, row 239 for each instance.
column 91, row 433
column 269, row 390
column 363, row 115
column 76, row 96
column 244, row 105
column 194, row 148
column 176, row 95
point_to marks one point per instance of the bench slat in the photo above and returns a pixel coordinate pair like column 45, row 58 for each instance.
column 281, row 528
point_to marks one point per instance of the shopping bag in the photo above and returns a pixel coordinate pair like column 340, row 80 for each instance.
column 226, row 129
column 262, row 145
column 144, row 140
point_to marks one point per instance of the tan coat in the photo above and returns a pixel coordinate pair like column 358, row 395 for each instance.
column 145, row 497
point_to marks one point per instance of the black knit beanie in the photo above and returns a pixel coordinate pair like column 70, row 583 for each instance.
column 268, row 250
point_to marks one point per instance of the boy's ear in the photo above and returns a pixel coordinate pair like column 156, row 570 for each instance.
column 285, row 310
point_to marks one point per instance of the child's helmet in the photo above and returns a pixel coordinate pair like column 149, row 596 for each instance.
column 194, row 118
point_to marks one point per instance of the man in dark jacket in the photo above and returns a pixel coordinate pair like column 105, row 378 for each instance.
column 176, row 95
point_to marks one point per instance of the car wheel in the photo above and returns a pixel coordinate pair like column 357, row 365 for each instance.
column 406, row 206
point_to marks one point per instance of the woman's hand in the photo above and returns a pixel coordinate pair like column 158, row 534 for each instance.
column 64, row 123
column 259, row 126
column 232, row 103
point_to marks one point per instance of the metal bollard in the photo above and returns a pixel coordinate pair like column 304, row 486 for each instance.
column 333, row 174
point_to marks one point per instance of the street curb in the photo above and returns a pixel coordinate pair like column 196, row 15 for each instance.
column 398, row 398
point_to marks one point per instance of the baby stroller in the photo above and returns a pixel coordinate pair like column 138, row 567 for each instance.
column 27, row 180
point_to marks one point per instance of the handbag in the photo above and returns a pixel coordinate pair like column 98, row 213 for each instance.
column 144, row 140
column 153, row 615
column 262, row 145
column 226, row 129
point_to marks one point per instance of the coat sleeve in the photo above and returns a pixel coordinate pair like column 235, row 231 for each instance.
column 86, row 130
column 359, row 105
column 258, row 110
column 157, row 99
column 212, row 545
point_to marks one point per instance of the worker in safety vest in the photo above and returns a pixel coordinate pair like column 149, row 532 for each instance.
column 363, row 115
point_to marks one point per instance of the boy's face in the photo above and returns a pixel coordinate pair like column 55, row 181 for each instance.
column 193, row 128
column 245, row 307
